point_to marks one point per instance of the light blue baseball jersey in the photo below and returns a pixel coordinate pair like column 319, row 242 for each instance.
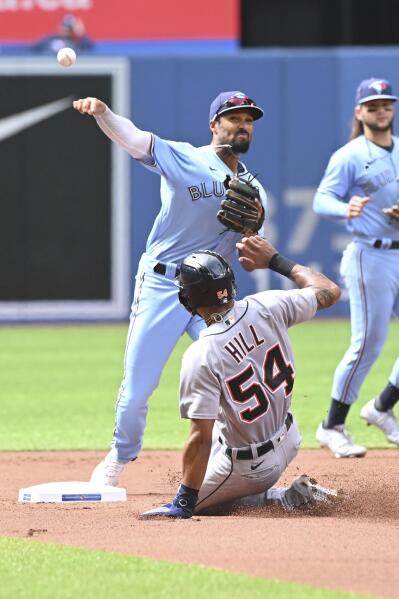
column 191, row 191
column 365, row 169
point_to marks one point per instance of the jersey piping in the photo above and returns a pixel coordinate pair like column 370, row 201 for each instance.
column 219, row 486
column 233, row 325
column 363, row 297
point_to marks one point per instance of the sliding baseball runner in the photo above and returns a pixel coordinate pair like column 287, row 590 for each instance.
column 237, row 382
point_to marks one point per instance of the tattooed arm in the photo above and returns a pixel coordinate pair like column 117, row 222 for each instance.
column 327, row 292
column 256, row 252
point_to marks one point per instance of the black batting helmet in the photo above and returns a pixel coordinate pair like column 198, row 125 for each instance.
column 205, row 279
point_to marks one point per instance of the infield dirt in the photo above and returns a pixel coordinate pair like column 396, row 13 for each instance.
column 350, row 546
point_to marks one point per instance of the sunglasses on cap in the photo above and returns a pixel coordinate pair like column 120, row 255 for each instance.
column 235, row 101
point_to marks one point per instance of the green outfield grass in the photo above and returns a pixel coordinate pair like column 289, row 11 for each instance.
column 32, row 570
column 59, row 384
column 58, row 388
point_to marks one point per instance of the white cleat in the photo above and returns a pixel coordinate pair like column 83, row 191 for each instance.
column 385, row 421
column 339, row 442
column 107, row 472
column 303, row 490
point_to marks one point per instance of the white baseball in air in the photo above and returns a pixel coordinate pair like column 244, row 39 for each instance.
column 66, row 57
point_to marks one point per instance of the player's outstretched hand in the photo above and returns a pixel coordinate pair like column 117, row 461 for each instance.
column 169, row 510
column 91, row 106
column 255, row 252
column 355, row 206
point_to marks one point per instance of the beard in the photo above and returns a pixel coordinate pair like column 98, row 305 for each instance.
column 240, row 146
column 380, row 128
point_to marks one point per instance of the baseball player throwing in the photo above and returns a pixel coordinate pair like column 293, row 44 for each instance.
column 238, row 378
column 193, row 182
column 361, row 187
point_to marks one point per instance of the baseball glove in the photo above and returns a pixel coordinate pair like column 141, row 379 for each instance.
column 241, row 209
column 393, row 211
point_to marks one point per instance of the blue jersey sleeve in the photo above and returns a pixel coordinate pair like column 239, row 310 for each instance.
column 169, row 158
column 332, row 193
column 326, row 205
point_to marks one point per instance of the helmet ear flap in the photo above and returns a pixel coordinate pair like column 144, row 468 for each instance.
column 185, row 302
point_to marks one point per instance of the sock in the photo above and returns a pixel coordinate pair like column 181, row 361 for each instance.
column 387, row 399
column 336, row 415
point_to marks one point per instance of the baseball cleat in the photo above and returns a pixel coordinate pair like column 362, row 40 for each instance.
column 339, row 442
column 385, row 421
column 107, row 472
column 303, row 490
column 169, row 510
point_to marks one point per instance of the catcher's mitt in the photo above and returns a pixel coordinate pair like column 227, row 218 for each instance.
column 241, row 209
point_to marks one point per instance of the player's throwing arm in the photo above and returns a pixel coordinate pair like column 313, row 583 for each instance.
column 90, row 106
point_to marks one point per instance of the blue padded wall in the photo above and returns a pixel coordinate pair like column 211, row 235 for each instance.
column 308, row 97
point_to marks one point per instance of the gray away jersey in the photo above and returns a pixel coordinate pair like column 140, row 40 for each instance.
column 240, row 372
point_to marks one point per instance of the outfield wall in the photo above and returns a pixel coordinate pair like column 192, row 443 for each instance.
column 308, row 100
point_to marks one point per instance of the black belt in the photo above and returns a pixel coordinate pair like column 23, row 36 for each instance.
column 160, row 268
column 246, row 454
column 394, row 245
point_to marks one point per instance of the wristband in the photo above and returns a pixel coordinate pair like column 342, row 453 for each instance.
column 281, row 265
column 186, row 498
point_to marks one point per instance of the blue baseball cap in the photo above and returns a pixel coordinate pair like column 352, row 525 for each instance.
column 228, row 101
column 374, row 89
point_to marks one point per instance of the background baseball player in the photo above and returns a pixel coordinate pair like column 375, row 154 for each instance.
column 361, row 187
column 192, row 186
column 240, row 374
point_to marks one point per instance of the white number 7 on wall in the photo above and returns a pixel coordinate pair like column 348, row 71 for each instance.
column 305, row 225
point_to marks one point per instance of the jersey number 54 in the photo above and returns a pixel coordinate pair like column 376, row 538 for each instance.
column 276, row 373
